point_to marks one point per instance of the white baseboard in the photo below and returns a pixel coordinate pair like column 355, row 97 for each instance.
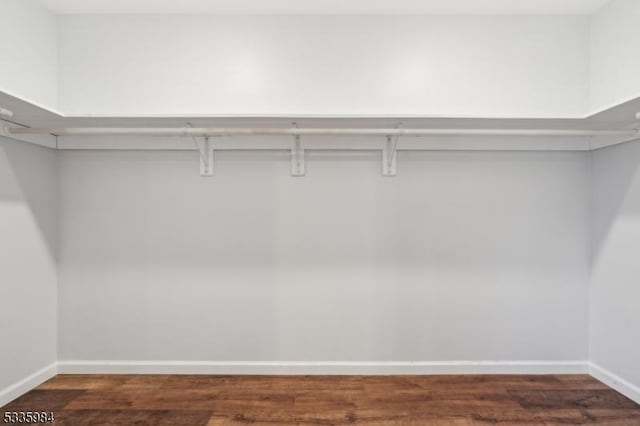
column 10, row 393
column 308, row 368
column 629, row 390
column 332, row 367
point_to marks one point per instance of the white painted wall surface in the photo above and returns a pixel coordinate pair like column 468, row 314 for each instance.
column 28, row 282
column 329, row 7
column 463, row 256
column 28, row 51
column 529, row 66
column 615, row 288
column 615, row 63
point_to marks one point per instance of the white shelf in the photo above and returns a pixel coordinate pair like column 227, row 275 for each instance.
column 500, row 133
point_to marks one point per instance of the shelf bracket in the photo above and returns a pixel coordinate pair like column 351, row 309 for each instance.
column 206, row 158
column 389, row 157
column 298, row 165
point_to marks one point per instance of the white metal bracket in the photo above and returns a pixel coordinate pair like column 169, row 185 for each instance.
column 48, row 140
column 206, row 158
column 389, row 158
column 5, row 130
column 298, row 165
column 6, row 113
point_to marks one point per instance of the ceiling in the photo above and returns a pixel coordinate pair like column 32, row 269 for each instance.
column 327, row 7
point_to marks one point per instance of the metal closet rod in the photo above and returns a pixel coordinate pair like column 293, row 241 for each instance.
column 224, row 131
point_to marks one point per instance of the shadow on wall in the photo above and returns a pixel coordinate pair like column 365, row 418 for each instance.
column 23, row 170
column 616, row 181
column 615, row 268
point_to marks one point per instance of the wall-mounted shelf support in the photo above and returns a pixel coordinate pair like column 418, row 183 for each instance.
column 298, row 164
column 43, row 139
column 389, row 157
column 6, row 113
column 390, row 154
column 207, row 158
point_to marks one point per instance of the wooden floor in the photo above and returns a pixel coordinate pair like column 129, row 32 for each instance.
column 328, row 400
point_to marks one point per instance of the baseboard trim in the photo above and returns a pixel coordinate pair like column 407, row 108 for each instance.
column 628, row 389
column 311, row 368
column 10, row 393
column 315, row 368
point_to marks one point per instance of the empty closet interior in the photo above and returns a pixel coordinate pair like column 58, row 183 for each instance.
column 319, row 188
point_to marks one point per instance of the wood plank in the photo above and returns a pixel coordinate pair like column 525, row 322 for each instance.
column 578, row 399
column 43, row 400
column 132, row 417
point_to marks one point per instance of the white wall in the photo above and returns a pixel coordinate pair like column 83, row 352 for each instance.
column 615, row 289
column 28, row 51
column 615, row 63
column 442, row 65
column 463, row 65
column 28, row 282
column 463, row 256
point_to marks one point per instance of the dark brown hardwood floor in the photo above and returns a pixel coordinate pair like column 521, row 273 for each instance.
column 159, row 400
